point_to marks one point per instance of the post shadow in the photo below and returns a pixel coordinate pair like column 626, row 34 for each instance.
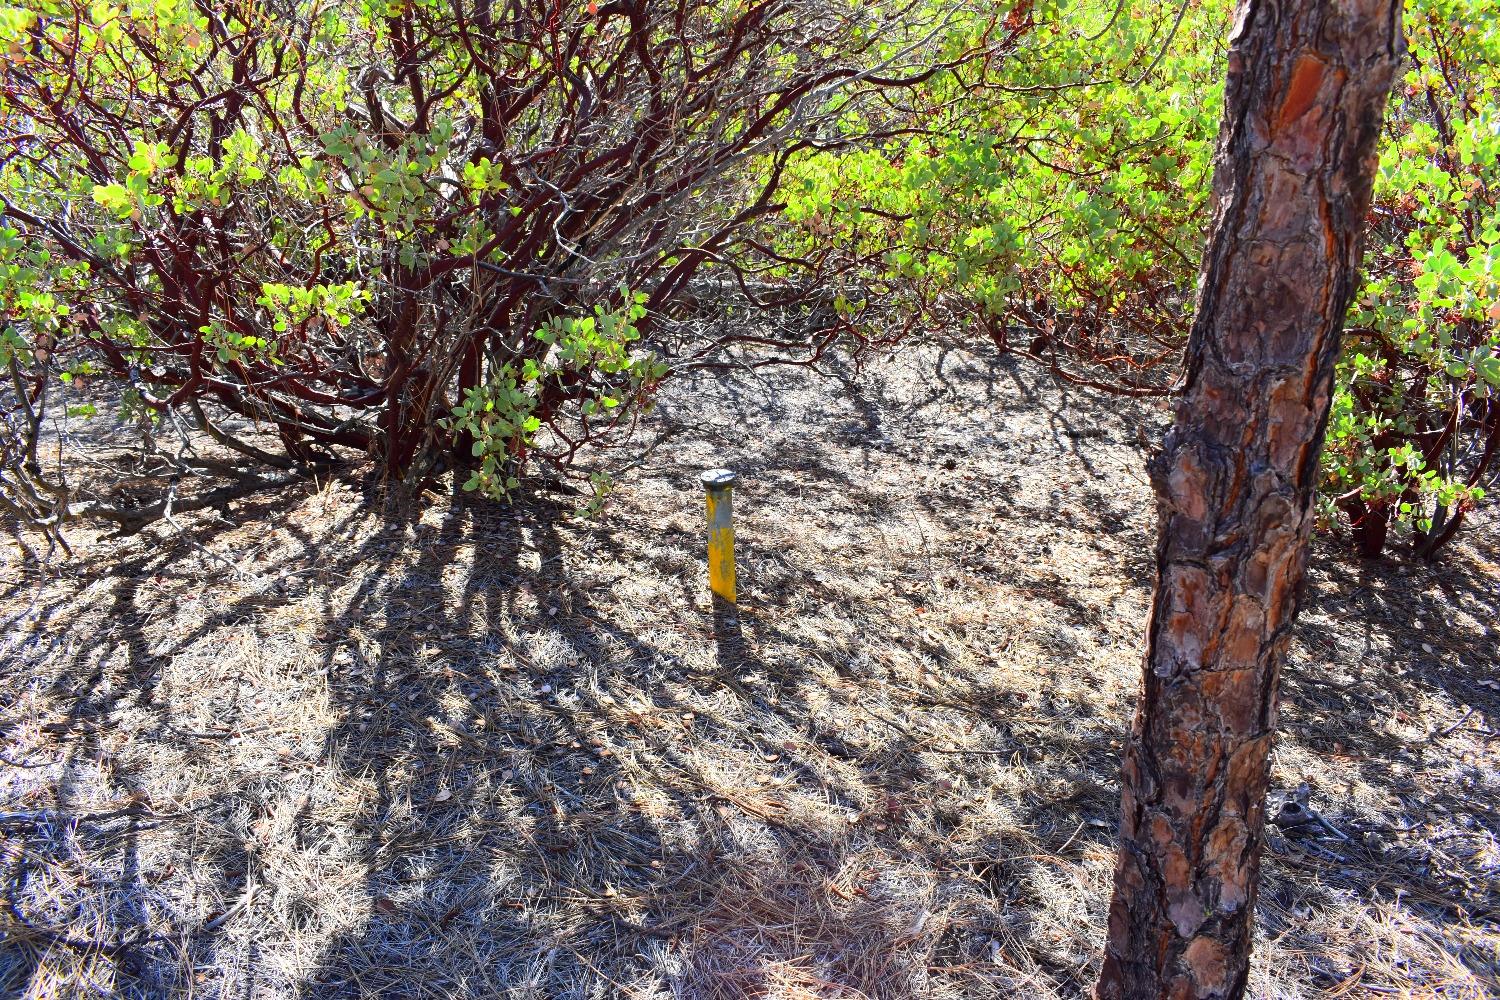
column 729, row 637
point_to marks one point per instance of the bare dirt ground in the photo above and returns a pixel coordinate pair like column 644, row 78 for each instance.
column 329, row 747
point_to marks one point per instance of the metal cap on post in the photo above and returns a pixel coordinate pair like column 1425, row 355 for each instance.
column 718, row 487
column 719, row 479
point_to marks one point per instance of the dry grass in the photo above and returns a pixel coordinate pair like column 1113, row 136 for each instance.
column 339, row 747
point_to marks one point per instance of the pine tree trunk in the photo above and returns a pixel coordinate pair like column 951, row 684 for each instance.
column 1306, row 95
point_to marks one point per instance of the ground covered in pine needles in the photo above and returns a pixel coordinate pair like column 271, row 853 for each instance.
column 332, row 743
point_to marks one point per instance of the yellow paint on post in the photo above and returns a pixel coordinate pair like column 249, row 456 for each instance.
column 718, row 486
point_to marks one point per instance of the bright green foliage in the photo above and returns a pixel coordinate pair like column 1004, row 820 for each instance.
column 398, row 228
column 1415, row 431
column 435, row 233
column 501, row 415
column 1064, row 192
column 1064, row 207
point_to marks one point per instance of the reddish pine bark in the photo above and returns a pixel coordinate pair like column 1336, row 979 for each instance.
column 1307, row 89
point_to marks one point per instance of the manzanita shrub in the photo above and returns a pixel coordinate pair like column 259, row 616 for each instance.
column 439, row 233
column 1414, row 441
column 1061, row 210
column 454, row 234
column 1060, row 206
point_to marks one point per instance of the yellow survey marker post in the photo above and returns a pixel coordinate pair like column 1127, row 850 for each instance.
column 718, row 487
